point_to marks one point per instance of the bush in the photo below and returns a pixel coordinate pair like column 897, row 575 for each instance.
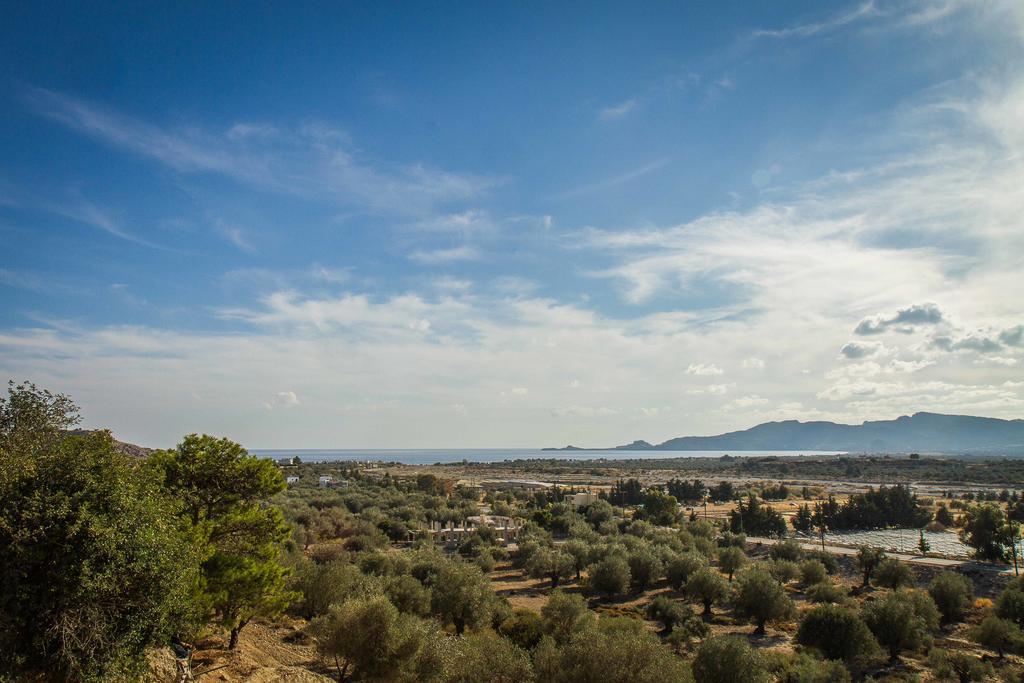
column 761, row 599
column 783, row 571
column 827, row 559
column 827, row 593
column 958, row 666
column 953, row 594
column 802, row 667
column 461, row 595
column 788, row 549
column 728, row 659
column 1010, row 605
column 408, row 595
column 838, row 633
column 812, row 572
column 1001, row 635
column 524, row 628
column 367, row 637
column 891, row 573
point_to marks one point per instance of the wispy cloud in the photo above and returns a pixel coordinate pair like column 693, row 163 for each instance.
column 861, row 12
column 92, row 215
column 614, row 181
column 311, row 160
column 444, row 256
column 618, row 111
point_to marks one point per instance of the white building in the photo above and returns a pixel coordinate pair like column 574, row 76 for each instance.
column 292, row 479
column 326, row 479
column 578, row 500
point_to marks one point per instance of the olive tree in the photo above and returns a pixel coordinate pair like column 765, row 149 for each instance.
column 565, row 615
column 680, row 567
column 610, row 576
column 901, row 620
column 760, row 598
column 552, row 564
column 731, row 559
column 728, row 659
column 867, row 560
column 367, row 638
column 707, row 587
column 461, row 595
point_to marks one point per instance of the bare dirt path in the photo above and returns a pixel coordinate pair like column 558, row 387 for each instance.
column 942, row 562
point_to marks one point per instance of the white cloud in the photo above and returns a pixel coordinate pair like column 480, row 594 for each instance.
column 856, row 350
column 753, row 364
column 703, row 369
column 443, row 256
column 320, row 161
column 618, row 111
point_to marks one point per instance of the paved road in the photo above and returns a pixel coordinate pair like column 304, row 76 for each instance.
column 902, row 557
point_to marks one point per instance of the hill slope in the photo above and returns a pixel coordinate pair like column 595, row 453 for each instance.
column 926, row 432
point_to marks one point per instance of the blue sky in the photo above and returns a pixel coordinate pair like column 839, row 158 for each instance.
column 445, row 225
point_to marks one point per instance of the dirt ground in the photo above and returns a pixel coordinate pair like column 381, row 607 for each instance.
column 265, row 653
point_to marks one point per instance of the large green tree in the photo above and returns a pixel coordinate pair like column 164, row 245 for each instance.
column 984, row 529
column 93, row 566
column 223, row 493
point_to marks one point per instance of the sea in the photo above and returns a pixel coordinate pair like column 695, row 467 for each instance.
column 430, row 456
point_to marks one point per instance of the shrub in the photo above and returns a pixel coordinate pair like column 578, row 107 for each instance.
column 644, row 567
column 524, row 628
column 483, row 657
column 1010, row 605
column 891, row 573
column 1001, row 635
column 827, row 593
column 952, row 594
column 408, row 595
column 838, row 633
column 783, row 571
column 827, row 559
column 618, row 650
column 959, row 666
column 812, row 572
column 788, row 549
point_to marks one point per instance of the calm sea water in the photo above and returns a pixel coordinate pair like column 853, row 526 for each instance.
column 429, row 456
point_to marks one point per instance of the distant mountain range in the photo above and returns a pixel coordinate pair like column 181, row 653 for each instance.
column 920, row 432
